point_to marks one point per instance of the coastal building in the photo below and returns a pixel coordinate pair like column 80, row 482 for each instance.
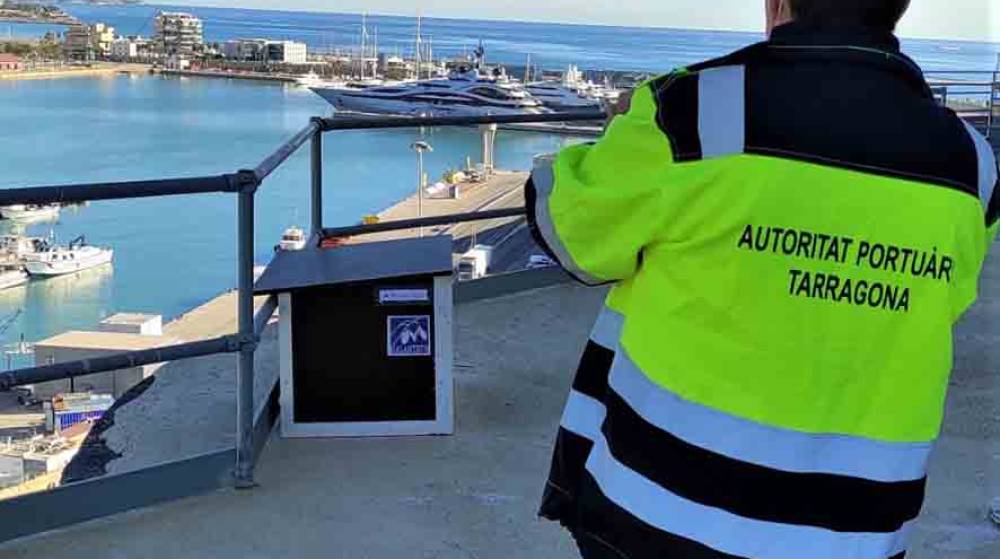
column 104, row 35
column 265, row 50
column 122, row 332
column 10, row 63
column 286, row 52
column 125, row 49
column 177, row 62
column 179, row 33
column 89, row 42
column 79, row 43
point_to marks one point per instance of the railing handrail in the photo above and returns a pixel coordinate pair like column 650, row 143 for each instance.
column 368, row 123
column 76, row 193
column 234, row 182
column 239, row 182
column 402, row 224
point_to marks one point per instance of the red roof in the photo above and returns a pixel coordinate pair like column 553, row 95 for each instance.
column 5, row 57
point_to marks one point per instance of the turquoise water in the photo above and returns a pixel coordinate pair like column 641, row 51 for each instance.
column 174, row 253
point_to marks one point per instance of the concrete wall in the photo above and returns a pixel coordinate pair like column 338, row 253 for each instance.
column 115, row 383
column 11, row 470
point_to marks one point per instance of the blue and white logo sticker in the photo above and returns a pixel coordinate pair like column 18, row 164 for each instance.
column 409, row 336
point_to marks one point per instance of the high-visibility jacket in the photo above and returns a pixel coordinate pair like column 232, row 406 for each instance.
column 794, row 229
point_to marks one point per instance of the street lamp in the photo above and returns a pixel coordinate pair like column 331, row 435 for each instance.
column 420, row 147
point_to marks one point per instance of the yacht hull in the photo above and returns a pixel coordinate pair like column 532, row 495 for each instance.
column 345, row 100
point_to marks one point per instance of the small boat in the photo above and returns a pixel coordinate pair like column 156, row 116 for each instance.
column 54, row 260
column 30, row 212
column 293, row 238
column 12, row 275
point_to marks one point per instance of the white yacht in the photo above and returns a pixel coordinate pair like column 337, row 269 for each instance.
column 465, row 92
column 293, row 238
column 54, row 260
column 12, row 275
column 313, row 80
column 573, row 92
column 554, row 95
column 30, row 212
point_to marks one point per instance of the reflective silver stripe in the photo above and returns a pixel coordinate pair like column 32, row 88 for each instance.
column 987, row 165
column 722, row 111
column 716, row 528
column 727, row 532
column 772, row 447
column 608, row 329
column 544, row 180
column 583, row 415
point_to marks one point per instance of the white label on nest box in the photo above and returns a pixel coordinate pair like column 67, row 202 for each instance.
column 403, row 296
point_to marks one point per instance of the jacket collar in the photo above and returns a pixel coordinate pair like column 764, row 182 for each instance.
column 855, row 43
column 813, row 35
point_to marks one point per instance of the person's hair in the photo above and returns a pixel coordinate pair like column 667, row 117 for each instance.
column 881, row 14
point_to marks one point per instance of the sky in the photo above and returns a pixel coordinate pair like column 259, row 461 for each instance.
column 938, row 19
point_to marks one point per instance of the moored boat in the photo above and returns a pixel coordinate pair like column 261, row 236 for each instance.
column 294, row 238
column 30, row 212
column 12, row 275
column 54, row 260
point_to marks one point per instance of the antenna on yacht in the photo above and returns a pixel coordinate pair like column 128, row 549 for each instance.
column 480, row 54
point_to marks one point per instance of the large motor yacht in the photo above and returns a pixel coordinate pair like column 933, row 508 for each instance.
column 470, row 89
column 462, row 93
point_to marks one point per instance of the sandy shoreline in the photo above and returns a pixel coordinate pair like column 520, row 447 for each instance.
column 72, row 72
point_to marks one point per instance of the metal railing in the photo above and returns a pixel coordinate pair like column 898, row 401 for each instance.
column 975, row 85
column 244, row 184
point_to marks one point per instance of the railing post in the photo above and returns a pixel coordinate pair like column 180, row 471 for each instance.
column 244, row 371
column 317, row 178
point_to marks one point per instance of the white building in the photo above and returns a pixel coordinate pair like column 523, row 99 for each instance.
column 179, row 33
column 131, row 48
column 286, row 52
column 265, row 50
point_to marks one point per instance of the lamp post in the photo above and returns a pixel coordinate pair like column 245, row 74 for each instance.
column 420, row 147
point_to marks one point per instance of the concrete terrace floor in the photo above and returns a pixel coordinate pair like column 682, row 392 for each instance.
column 475, row 495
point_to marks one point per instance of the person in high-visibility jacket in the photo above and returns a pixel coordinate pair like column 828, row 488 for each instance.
column 792, row 231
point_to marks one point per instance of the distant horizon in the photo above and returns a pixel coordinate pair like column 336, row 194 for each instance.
column 904, row 33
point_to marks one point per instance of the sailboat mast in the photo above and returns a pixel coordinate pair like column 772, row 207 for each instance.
column 364, row 40
column 417, row 46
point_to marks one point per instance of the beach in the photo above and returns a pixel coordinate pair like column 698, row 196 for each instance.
column 95, row 70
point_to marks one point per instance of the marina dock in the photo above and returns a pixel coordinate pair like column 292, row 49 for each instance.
column 233, row 75
column 504, row 189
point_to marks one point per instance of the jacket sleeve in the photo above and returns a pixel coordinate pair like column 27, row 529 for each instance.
column 993, row 214
column 594, row 207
